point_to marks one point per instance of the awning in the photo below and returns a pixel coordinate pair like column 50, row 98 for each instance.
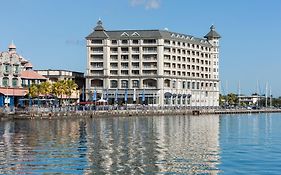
column 184, row 95
column 168, row 94
column 188, row 95
column 13, row 92
column 174, row 95
column 179, row 95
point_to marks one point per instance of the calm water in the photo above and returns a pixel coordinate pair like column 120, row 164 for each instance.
column 240, row 144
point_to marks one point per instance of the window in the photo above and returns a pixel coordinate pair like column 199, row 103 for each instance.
column 174, row 84
column 197, row 85
column 124, row 84
column 135, row 41
column 6, row 68
column 96, row 41
column 114, row 42
column 113, row 84
column 113, row 72
column 15, row 82
column 183, row 84
column 124, row 72
column 125, row 65
column 188, row 85
column 135, row 72
column 124, row 41
column 149, row 41
column 135, row 83
column 193, row 85
column 5, row 81
column 16, row 69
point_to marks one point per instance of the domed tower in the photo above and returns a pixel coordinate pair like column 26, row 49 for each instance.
column 12, row 48
column 213, row 38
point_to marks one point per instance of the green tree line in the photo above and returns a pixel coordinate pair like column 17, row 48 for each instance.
column 58, row 89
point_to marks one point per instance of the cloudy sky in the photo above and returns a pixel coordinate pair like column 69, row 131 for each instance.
column 51, row 33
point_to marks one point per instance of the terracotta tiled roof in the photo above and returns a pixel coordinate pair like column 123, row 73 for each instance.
column 30, row 74
column 13, row 91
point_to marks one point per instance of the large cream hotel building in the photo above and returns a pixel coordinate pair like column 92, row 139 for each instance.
column 155, row 67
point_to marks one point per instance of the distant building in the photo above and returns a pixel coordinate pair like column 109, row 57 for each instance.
column 55, row 75
column 249, row 100
column 16, row 75
column 153, row 67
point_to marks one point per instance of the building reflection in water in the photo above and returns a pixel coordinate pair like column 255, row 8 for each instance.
column 128, row 145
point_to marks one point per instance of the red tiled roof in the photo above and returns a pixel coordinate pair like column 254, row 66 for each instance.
column 13, row 91
column 30, row 74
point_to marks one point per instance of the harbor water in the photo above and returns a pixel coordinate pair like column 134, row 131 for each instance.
column 205, row 144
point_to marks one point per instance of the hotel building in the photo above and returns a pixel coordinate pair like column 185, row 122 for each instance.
column 156, row 67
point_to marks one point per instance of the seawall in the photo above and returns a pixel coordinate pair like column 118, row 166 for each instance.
column 128, row 113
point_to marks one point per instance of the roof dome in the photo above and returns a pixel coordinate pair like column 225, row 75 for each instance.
column 12, row 46
column 212, row 34
column 99, row 26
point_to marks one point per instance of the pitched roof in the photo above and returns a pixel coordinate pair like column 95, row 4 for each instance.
column 30, row 74
column 212, row 33
column 100, row 33
column 13, row 91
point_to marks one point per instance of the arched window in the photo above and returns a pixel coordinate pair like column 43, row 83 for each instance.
column 5, row 81
column 15, row 82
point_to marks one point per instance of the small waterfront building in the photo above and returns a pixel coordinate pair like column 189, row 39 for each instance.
column 156, row 67
column 250, row 100
column 16, row 75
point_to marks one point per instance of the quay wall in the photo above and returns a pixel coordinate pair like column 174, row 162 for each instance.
column 128, row 113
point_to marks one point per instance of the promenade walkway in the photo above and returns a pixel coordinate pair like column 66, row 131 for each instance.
column 111, row 111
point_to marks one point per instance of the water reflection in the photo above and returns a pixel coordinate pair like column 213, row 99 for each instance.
column 131, row 145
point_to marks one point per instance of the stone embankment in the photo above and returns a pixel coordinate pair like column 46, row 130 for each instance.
column 127, row 113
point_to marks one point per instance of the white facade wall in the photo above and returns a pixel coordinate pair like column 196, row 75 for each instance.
column 174, row 61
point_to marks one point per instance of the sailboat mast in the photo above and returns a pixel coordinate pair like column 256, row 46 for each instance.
column 266, row 94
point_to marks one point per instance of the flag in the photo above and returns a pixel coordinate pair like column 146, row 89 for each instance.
column 134, row 95
column 102, row 94
column 116, row 96
column 126, row 95
column 95, row 95
column 143, row 96
column 106, row 93
column 83, row 93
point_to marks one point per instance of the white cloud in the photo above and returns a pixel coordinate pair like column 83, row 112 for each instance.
column 152, row 4
column 136, row 2
column 148, row 4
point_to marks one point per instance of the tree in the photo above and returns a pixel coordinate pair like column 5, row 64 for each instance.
column 34, row 90
column 59, row 89
column 71, row 87
column 45, row 88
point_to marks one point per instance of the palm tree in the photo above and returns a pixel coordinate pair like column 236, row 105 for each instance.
column 59, row 89
column 34, row 90
column 45, row 88
column 71, row 87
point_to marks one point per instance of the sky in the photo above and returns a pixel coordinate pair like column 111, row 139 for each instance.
column 51, row 33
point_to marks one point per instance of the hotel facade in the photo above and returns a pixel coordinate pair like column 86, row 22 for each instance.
column 155, row 67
